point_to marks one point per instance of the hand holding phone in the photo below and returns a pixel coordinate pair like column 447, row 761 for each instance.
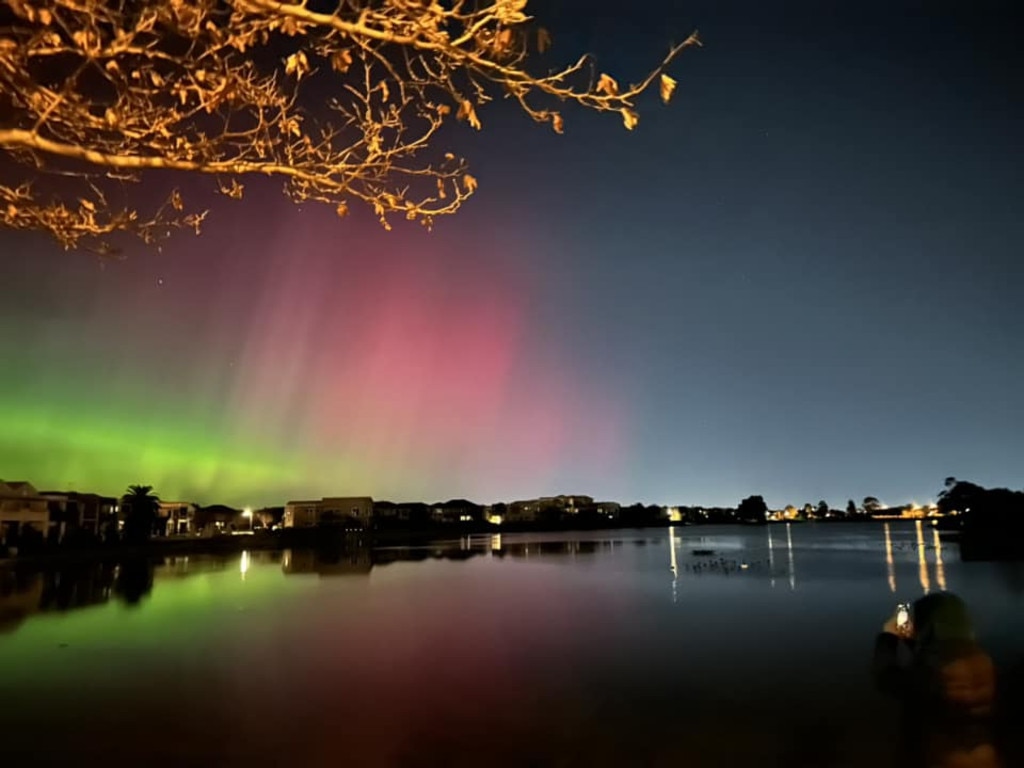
column 903, row 618
column 899, row 623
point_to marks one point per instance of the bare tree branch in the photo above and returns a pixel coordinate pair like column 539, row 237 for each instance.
column 343, row 102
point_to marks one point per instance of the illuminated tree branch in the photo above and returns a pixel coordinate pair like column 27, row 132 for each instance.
column 343, row 103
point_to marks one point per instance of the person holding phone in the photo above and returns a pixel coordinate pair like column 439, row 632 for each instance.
column 927, row 657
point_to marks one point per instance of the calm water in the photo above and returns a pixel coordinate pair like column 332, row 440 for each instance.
column 620, row 648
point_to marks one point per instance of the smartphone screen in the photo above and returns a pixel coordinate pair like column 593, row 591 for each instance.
column 902, row 616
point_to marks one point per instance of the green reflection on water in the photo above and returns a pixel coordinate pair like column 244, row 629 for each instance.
column 55, row 647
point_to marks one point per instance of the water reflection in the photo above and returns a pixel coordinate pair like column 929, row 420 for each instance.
column 890, row 563
column 24, row 592
column 673, row 564
column 789, row 550
column 922, row 561
column 456, row 653
column 338, row 563
column 940, row 567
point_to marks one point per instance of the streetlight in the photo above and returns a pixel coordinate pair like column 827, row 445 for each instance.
column 247, row 512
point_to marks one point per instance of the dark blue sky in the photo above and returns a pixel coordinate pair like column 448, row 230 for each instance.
column 806, row 272
column 801, row 279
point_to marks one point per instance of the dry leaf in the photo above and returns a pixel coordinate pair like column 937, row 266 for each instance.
column 341, row 61
column 668, row 85
column 296, row 64
column 607, row 84
column 470, row 183
column 466, row 112
column 630, row 119
column 556, row 123
column 176, row 201
column 342, row 209
column 440, row 189
column 234, row 191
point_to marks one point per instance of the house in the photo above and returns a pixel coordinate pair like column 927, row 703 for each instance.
column 301, row 514
column 564, row 505
column 354, row 511
column 349, row 510
column 217, row 518
column 176, row 518
column 22, row 508
column 522, row 512
column 549, row 509
column 74, row 511
column 401, row 514
column 456, row 511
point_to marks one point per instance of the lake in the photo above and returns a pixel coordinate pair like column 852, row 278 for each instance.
column 591, row 649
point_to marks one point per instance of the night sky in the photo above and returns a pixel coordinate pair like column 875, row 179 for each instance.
column 800, row 279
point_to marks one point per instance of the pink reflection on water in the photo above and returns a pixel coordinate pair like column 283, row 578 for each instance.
column 406, row 666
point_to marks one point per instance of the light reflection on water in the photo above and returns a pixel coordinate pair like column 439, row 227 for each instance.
column 583, row 648
column 890, row 563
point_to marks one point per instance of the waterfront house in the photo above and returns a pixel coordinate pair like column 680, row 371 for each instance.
column 356, row 511
column 73, row 511
column 608, row 509
column 522, row 512
column 401, row 514
column 456, row 511
column 218, row 518
column 177, row 518
column 22, row 507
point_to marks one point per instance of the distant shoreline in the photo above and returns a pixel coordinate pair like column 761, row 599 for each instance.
column 312, row 538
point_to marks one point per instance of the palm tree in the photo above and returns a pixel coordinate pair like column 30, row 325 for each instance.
column 141, row 506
